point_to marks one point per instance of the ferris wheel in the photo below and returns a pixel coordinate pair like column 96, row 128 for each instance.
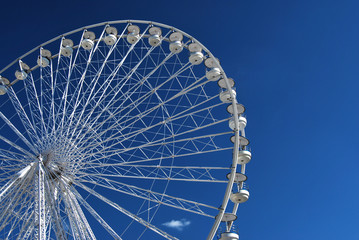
column 110, row 130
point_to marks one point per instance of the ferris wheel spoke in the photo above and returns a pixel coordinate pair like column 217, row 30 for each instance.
column 54, row 213
column 155, row 160
column 78, row 93
column 59, row 74
column 98, row 74
column 51, row 119
column 192, row 86
column 150, row 144
column 81, row 217
column 92, row 211
column 111, row 77
column 116, row 112
column 17, row 132
column 159, row 172
column 128, row 213
column 16, row 197
column 73, row 221
column 29, row 232
column 14, row 145
column 64, row 101
column 26, row 226
column 35, row 105
column 132, row 134
column 78, row 222
column 7, row 187
column 134, row 119
column 159, row 154
column 12, row 156
column 148, row 147
column 29, row 128
column 111, row 102
column 18, row 219
column 158, row 198
column 31, row 97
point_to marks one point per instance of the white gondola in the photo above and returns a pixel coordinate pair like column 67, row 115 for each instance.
column 45, row 53
column 21, row 75
column 214, row 74
column 111, row 38
column 196, row 58
column 222, row 83
column 194, row 47
column 4, row 81
column 87, row 44
column 3, row 89
column 238, row 178
column 89, row 35
column 176, row 47
column 229, row 236
column 210, row 62
column 155, row 31
column 24, row 67
column 66, row 49
column 176, row 36
column 42, row 61
column 244, row 157
column 88, row 40
column 132, row 38
column 225, row 96
column 228, row 217
column 133, row 35
column 44, row 58
column 240, row 108
column 155, row 38
column 242, row 123
column 242, row 140
column 240, row 197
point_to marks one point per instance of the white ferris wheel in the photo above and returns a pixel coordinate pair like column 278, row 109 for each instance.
column 134, row 118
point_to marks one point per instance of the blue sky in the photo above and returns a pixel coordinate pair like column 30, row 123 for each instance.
column 296, row 68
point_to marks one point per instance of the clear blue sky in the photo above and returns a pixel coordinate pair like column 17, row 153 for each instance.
column 296, row 64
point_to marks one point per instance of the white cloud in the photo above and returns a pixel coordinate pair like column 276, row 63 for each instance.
column 177, row 224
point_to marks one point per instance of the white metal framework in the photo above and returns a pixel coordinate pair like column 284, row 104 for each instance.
column 123, row 115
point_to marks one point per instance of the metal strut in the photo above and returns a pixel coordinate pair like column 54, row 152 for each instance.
column 41, row 235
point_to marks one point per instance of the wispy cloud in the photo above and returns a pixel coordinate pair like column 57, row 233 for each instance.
column 177, row 224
